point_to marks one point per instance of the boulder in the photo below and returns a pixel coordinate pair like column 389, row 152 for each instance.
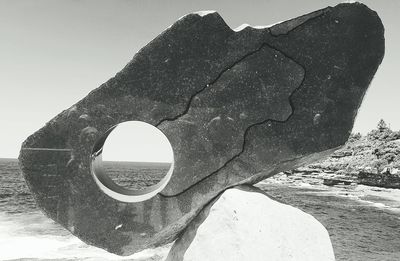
column 246, row 224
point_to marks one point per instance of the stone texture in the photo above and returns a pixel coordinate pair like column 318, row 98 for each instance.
column 245, row 224
column 383, row 180
column 237, row 107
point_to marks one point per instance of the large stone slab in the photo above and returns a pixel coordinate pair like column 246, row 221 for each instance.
column 237, row 107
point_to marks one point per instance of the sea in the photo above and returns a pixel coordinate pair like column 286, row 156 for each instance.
column 363, row 222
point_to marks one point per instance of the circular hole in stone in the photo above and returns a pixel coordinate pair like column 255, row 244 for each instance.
column 132, row 161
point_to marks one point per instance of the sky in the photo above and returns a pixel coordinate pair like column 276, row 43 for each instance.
column 53, row 53
column 146, row 143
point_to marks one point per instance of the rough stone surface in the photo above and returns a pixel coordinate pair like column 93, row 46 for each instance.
column 237, row 107
column 383, row 180
column 245, row 224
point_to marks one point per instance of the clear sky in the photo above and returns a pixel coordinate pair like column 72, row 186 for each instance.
column 53, row 53
column 145, row 143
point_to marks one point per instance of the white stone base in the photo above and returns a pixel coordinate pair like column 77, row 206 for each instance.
column 250, row 226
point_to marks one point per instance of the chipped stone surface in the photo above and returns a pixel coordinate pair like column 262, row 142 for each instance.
column 237, row 107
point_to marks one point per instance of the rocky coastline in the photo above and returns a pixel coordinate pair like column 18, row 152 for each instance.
column 371, row 160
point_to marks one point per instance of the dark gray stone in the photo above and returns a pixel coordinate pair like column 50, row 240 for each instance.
column 383, row 180
column 237, row 107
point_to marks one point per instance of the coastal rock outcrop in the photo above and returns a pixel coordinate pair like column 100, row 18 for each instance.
column 237, row 107
column 384, row 180
column 372, row 159
column 246, row 224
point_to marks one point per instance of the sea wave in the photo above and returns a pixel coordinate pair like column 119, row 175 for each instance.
column 383, row 198
column 33, row 236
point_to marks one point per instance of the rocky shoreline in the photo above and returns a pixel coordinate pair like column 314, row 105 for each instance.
column 371, row 160
column 315, row 176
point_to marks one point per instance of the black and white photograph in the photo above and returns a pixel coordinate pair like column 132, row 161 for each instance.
column 183, row 130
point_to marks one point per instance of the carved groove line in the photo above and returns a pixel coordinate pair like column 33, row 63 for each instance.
column 323, row 12
column 206, row 86
column 250, row 126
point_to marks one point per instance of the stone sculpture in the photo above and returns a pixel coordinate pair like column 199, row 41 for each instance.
column 237, row 107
